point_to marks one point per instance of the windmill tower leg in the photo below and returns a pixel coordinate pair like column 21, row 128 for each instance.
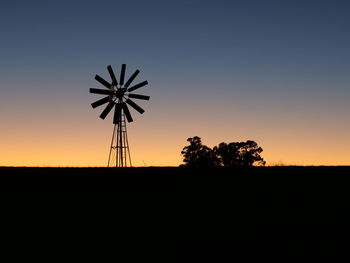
column 112, row 150
column 119, row 153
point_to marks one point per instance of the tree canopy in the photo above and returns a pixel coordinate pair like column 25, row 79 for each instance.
column 198, row 155
column 234, row 154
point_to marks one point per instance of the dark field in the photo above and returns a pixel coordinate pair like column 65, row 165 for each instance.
column 178, row 207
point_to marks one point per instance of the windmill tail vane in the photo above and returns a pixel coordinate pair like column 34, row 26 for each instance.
column 118, row 96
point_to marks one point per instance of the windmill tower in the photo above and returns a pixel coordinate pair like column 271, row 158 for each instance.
column 118, row 96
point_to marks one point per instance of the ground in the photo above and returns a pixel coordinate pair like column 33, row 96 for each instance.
column 179, row 206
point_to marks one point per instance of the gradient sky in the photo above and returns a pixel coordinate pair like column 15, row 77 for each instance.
column 276, row 72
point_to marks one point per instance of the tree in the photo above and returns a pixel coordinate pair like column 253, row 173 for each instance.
column 239, row 154
column 228, row 154
column 198, row 155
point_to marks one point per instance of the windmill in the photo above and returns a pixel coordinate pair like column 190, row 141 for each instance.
column 119, row 96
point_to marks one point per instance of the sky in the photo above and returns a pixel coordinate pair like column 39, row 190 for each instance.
column 272, row 71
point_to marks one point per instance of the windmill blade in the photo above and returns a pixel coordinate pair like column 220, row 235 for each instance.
column 127, row 112
column 122, row 74
column 133, row 76
column 101, row 91
column 135, row 106
column 100, row 102
column 117, row 112
column 137, row 86
column 107, row 110
column 102, row 81
column 111, row 73
column 137, row 96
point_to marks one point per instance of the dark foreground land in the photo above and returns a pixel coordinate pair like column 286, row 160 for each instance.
column 178, row 206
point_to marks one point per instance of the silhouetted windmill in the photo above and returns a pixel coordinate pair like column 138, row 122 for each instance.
column 119, row 95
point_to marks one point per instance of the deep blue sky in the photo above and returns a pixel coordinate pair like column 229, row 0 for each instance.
column 273, row 71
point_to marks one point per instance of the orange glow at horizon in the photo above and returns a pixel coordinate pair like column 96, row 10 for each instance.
column 86, row 145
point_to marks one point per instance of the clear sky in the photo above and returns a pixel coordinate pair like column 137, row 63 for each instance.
column 277, row 72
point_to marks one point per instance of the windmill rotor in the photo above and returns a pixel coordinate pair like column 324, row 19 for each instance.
column 118, row 95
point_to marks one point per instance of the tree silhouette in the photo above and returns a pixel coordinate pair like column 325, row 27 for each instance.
column 198, row 155
column 239, row 154
column 234, row 154
column 227, row 153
